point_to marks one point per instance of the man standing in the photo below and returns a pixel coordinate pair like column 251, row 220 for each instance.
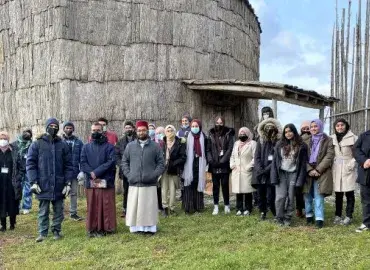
column 142, row 164
column 129, row 136
column 75, row 147
column 50, row 171
column 219, row 148
column 99, row 164
column 111, row 135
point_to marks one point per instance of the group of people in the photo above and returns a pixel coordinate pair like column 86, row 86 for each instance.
column 281, row 169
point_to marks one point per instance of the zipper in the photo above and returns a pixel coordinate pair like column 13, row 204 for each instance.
column 141, row 165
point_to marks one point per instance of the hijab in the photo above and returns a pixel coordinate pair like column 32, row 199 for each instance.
column 197, row 145
column 340, row 136
column 316, row 139
column 250, row 137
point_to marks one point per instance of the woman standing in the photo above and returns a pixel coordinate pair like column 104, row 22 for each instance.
column 320, row 178
column 194, row 173
column 344, row 170
column 288, row 171
column 10, row 182
column 242, row 163
column 175, row 156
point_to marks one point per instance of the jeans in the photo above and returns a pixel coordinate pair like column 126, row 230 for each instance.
column 285, row 193
column 27, row 195
column 223, row 180
column 350, row 195
column 73, row 194
column 43, row 217
column 314, row 197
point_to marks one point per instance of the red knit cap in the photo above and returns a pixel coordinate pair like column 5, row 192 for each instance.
column 142, row 123
column 198, row 122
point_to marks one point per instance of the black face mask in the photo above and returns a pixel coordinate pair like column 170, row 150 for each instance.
column 52, row 131
column 26, row 136
column 243, row 138
column 218, row 127
column 129, row 132
column 96, row 135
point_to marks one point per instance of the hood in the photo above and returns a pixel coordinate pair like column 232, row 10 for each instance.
column 227, row 130
column 47, row 137
column 261, row 132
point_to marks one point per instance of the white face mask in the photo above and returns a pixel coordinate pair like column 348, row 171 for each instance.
column 4, row 143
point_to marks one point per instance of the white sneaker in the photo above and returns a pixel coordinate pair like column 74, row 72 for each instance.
column 215, row 210
column 227, row 209
column 337, row 220
column 347, row 221
column 362, row 228
column 239, row 213
column 26, row 212
column 246, row 213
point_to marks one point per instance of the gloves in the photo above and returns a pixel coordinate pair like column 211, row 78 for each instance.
column 35, row 188
column 66, row 190
column 81, row 178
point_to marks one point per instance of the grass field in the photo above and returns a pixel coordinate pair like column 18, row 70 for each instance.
column 191, row 242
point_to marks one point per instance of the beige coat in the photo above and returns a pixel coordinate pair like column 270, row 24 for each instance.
column 345, row 166
column 241, row 176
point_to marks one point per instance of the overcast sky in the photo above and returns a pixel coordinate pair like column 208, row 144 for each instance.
column 296, row 47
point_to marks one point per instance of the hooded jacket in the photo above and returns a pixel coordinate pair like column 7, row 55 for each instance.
column 264, row 152
column 217, row 163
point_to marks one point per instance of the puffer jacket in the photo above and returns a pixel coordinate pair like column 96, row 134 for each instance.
column 49, row 164
column 76, row 145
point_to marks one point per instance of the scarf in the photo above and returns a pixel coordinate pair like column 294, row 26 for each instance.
column 315, row 141
column 23, row 145
column 340, row 136
column 170, row 140
column 197, row 144
column 187, row 174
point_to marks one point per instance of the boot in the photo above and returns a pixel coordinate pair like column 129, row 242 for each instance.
column 13, row 221
column 3, row 225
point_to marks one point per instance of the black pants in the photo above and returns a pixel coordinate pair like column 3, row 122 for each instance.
column 256, row 199
column 223, row 180
column 350, row 195
column 244, row 201
column 125, row 192
column 159, row 196
column 299, row 199
column 266, row 195
column 12, row 219
column 365, row 201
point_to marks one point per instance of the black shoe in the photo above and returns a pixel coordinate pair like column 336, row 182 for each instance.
column 280, row 221
column 12, row 227
column 91, row 234
column 57, row 236
column 319, row 224
column 2, row 229
column 123, row 215
column 165, row 212
column 75, row 217
column 263, row 216
column 309, row 220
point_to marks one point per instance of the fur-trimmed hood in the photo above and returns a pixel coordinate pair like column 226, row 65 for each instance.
column 263, row 135
column 47, row 137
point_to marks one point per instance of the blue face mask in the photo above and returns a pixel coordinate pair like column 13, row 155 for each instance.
column 195, row 130
column 159, row 137
column 185, row 126
column 151, row 132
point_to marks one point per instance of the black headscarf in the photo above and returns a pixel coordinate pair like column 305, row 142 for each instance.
column 341, row 135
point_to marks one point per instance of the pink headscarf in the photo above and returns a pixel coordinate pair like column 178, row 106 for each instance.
column 248, row 133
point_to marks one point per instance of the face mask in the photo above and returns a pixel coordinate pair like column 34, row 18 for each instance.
column 265, row 116
column 4, row 143
column 195, row 130
column 159, row 137
column 170, row 135
column 151, row 132
column 243, row 138
column 129, row 132
column 26, row 136
column 104, row 128
column 52, row 131
column 218, row 127
column 185, row 126
column 96, row 135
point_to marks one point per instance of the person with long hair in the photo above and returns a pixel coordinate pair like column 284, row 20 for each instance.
column 288, row 171
column 194, row 173
column 319, row 182
column 344, row 170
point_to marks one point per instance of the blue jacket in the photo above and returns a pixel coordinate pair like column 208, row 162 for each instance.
column 76, row 145
column 100, row 159
column 49, row 164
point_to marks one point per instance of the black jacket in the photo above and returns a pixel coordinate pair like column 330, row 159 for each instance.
column 217, row 163
column 362, row 153
column 120, row 149
column 301, row 165
column 177, row 156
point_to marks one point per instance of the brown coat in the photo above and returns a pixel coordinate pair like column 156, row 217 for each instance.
column 324, row 165
column 345, row 165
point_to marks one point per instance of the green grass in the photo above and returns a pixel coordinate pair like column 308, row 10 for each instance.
column 191, row 242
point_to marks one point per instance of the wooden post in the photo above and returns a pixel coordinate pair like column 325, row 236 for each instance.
column 274, row 107
column 322, row 114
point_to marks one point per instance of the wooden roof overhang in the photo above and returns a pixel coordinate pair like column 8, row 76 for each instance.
column 264, row 90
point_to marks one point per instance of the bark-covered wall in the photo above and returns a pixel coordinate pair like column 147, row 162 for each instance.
column 123, row 59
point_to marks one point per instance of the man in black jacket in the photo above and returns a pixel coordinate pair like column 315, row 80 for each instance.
column 219, row 148
column 129, row 136
column 362, row 156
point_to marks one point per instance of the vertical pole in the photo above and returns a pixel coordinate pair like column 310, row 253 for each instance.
column 274, row 107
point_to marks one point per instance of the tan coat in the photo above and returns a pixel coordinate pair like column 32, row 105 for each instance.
column 242, row 174
column 345, row 165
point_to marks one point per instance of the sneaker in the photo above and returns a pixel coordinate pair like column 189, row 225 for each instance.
column 346, row 221
column 337, row 220
column 215, row 210
column 239, row 213
column 309, row 220
column 75, row 217
column 319, row 224
column 91, row 234
column 280, row 222
column 263, row 216
column 40, row 238
column 362, row 228
column 287, row 223
column 227, row 209
column 246, row 213
column 25, row 211
column 57, row 236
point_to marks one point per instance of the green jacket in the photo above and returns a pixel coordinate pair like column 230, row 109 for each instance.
column 324, row 164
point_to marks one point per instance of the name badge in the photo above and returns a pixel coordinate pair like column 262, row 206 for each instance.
column 221, row 153
column 4, row 170
column 25, row 156
column 270, row 157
